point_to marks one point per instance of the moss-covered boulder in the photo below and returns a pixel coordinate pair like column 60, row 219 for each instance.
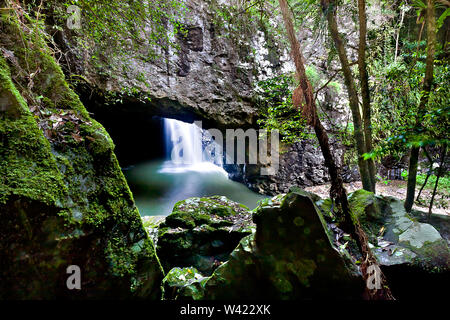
column 439, row 221
column 367, row 208
column 184, row 284
column 202, row 232
column 63, row 198
column 291, row 256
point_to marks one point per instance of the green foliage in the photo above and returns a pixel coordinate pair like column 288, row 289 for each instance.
column 335, row 86
column 444, row 181
column 276, row 109
column 116, row 28
column 313, row 75
column 398, row 91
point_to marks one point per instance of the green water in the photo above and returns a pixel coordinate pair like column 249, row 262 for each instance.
column 158, row 185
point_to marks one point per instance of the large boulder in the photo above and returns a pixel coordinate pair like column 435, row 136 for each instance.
column 291, row 256
column 63, row 198
column 413, row 255
column 202, row 232
column 439, row 221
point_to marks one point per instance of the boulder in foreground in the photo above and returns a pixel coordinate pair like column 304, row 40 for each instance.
column 202, row 232
column 291, row 256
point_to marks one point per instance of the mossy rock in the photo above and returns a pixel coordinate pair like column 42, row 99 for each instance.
column 193, row 212
column 184, row 284
column 63, row 197
column 365, row 207
column 413, row 255
column 291, row 256
column 201, row 232
column 431, row 250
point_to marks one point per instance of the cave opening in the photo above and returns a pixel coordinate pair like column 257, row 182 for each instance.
column 138, row 137
column 144, row 145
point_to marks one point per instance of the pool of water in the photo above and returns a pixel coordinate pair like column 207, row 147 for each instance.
column 158, row 185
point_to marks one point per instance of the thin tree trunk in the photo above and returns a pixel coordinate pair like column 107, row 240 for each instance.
column 329, row 9
column 427, row 84
column 430, row 170
column 440, row 171
column 364, row 80
column 398, row 32
column 303, row 98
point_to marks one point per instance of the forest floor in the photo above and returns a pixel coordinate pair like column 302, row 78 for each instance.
column 397, row 189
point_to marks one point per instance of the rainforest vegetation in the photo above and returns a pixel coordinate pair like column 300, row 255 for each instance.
column 120, row 176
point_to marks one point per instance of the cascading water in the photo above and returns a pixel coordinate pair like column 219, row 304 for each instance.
column 183, row 142
column 187, row 171
column 184, row 148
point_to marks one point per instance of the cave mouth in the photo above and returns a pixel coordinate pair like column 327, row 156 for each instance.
column 144, row 145
column 137, row 137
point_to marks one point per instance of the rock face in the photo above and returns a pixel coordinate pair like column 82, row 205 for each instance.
column 290, row 256
column 212, row 77
column 201, row 233
column 63, row 198
column 301, row 165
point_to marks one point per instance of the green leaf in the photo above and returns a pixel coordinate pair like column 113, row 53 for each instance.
column 442, row 18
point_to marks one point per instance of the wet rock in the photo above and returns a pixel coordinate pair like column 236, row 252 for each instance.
column 301, row 165
column 201, row 232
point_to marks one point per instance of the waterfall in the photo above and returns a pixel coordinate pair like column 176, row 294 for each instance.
column 183, row 142
column 184, row 148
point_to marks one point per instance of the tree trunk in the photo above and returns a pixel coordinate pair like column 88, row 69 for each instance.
column 427, row 84
column 439, row 173
column 430, row 171
column 398, row 32
column 364, row 80
column 303, row 98
column 329, row 9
